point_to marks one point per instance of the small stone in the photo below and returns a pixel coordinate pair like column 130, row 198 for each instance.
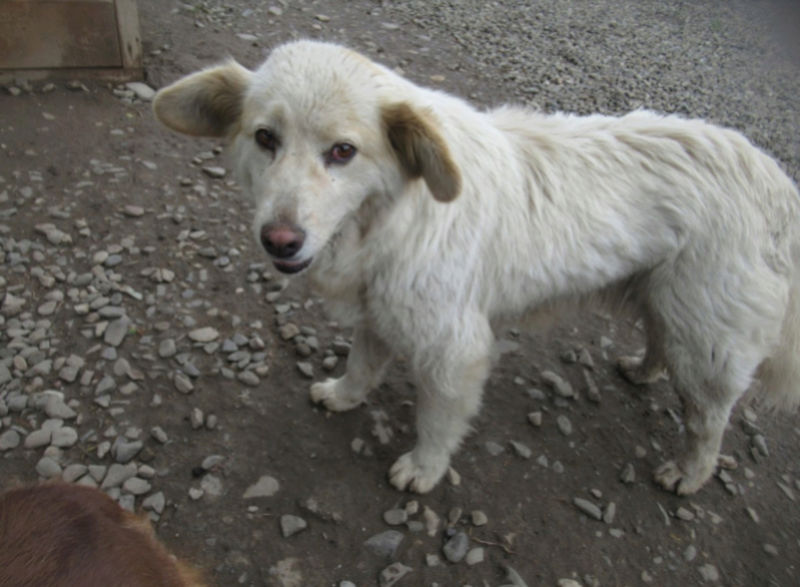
column 124, row 451
column 215, row 171
column 564, row 425
column 478, row 518
column 206, row 334
column 690, row 553
column 521, row 450
column 709, row 573
column 684, row 514
column 588, row 508
column 38, row 438
column 155, row 502
column 384, row 544
column 167, row 348
column 432, row 521
column 609, row 513
column 48, row 468
column 56, row 408
column 474, row 556
column 306, row 369
column 64, row 437
column 628, row 474
column 392, row 574
column 9, row 439
column 558, row 384
column 182, row 383
column 291, row 525
column 211, row 485
column 395, row 517
column 116, row 331
column 73, row 472
column 136, row 486
column 133, row 211
column 266, row 486
column 117, row 475
column 535, row 418
column 142, row 91
column 249, row 378
column 494, row 448
column 455, row 549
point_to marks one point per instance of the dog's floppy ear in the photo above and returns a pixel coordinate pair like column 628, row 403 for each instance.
column 422, row 150
column 205, row 103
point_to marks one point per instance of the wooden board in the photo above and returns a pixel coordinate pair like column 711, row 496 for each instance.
column 57, row 35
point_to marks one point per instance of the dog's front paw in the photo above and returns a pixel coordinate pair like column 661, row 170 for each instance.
column 408, row 473
column 330, row 394
column 672, row 477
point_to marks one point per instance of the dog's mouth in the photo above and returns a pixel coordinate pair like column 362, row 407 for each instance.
column 291, row 266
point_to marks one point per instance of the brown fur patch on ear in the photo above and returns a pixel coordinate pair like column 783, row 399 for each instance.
column 206, row 103
column 422, row 150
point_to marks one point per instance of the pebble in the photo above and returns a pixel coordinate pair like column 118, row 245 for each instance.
column 136, row 486
column 306, row 369
column 266, row 486
column 116, row 475
column 588, row 508
column 564, row 425
column 395, row 517
column 384, row 544
column 142, row 90
column 124, row 451
column 116, row 331
column 474, row 556
column 205, row 334
column 64, row 437
column 9, row 439
column 155, row 502
column 455, row 549
column 560, row 385
column 291, row 525
column 48, row 468
column 392, row 574
column 478, row 518
column 709, row 573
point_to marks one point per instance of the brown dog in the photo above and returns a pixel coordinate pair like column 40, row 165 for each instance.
column 55, row 535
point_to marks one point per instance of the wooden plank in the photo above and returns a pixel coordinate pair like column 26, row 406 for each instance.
column 129, row 39
column 58, row 33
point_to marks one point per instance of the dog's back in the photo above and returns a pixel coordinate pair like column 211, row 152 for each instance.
column 55, row 535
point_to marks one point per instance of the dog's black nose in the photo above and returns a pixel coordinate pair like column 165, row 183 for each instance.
column 282, row 240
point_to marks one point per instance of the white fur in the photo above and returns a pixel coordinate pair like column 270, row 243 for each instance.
column 689, row 222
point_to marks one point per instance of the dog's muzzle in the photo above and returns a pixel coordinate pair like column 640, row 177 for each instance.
column 283, row 242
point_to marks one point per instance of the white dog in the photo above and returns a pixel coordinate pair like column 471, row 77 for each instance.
column 421, row 219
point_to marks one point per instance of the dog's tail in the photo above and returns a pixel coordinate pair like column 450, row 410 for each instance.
column 780, row 373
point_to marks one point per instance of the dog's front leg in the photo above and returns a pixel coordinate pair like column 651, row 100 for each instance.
column 369, row 356
column 446, row 401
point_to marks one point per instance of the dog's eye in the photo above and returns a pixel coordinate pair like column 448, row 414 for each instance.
column 266, row 139
column 341, row 153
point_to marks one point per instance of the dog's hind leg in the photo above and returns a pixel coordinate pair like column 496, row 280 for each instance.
column 449, row 395
column 709, row 384
column 706, row 415
column 366, row 363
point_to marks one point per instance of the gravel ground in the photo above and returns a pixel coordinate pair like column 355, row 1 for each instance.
column 146, row 347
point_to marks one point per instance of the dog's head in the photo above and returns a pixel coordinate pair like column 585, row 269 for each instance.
column 315, row 132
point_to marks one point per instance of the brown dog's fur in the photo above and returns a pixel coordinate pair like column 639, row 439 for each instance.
column 60, row 535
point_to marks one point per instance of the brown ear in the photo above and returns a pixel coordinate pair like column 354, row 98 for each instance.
column 422, row 150
column 206, row 103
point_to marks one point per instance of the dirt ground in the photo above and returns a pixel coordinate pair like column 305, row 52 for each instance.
column 64, row 144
